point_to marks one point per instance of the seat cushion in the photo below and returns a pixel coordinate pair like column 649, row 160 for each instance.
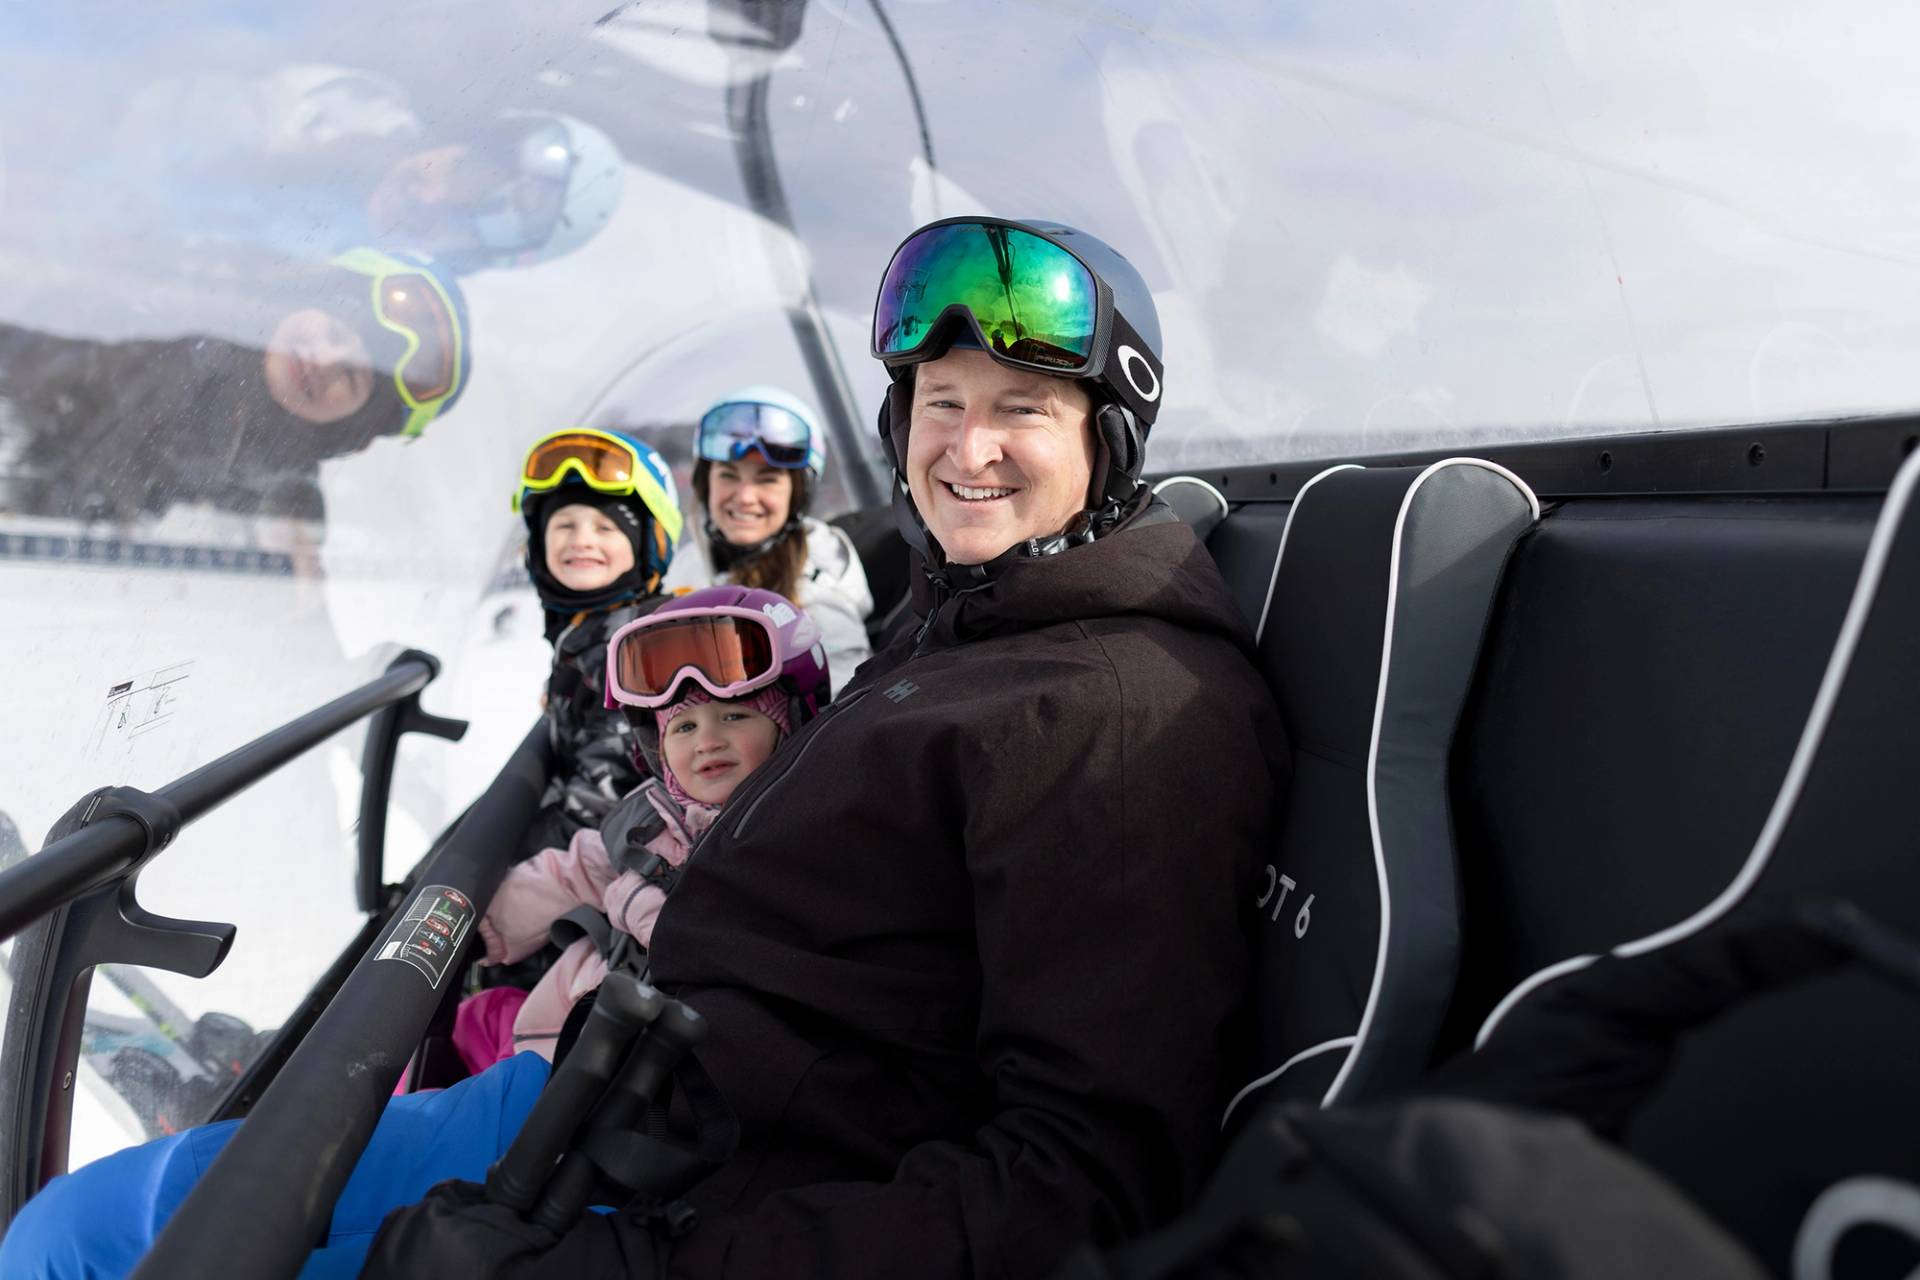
column 1384, row 582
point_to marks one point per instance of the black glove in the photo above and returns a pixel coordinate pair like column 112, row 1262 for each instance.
column 457, row 1231
column 1595, row 1043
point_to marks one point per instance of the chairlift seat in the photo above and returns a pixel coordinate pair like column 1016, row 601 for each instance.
column 1824, row 1071
column 1375, row 601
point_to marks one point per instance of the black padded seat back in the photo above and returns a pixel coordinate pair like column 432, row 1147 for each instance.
column 1379, row 597
column 886, row 559
column 1640, row 694
column 1195, row 501
column 1244, row 547
column 1814, row 1089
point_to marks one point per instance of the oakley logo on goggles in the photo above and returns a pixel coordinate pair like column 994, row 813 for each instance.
column 731, row 431
column 604, row 463
column 729, row 651
column 413, row 304
column 1029, row 299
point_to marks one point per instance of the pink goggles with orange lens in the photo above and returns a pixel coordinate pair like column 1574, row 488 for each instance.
column 729, row 652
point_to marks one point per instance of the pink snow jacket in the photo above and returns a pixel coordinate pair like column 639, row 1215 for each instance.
column 553, row 882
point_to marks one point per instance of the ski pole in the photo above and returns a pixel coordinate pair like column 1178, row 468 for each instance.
column 675, row 1031
column 621, row 1012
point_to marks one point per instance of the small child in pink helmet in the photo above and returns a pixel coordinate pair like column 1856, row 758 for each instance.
column 712, row 683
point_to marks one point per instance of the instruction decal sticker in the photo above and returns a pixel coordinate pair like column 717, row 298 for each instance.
column 141, row 705
column 431, row 931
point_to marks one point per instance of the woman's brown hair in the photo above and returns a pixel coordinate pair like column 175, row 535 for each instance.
column 779, row 567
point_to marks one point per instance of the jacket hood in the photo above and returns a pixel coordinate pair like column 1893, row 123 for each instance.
column 1150, row 566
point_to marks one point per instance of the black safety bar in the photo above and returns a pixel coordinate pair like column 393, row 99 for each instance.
column 123, row 840
column 390, row 723
column 270, row 1194
column 73, row 907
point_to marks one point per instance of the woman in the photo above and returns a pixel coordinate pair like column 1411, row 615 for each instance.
column 757, row 456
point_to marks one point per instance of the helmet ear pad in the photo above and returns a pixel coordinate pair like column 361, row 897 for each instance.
column 1119, row 436
column 896, row 413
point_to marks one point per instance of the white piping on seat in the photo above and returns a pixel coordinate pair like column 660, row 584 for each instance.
column 1373, row 747
column 1260, row 628
column 1864, row 591
column 1849, row 1203
column 1170, row 481
column 1325, row 1046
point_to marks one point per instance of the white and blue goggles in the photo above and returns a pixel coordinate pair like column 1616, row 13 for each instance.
column 730, row 431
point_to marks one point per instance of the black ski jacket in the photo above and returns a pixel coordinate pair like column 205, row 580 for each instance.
column 973, row 943
column 594, row 751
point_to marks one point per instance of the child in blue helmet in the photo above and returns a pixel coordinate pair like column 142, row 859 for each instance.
column 602, row 520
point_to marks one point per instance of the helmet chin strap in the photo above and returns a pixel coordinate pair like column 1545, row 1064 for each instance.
column 727, row 554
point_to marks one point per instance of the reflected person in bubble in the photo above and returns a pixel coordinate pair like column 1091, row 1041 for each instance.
column 523, row 189
column 370, row 345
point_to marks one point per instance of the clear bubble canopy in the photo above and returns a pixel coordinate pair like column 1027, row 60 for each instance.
column 286, row 291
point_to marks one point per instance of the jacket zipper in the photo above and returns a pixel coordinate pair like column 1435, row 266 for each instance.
column 820, row 727
column 933, row 614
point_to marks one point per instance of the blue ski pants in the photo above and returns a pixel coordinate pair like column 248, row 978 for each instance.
column 98, row 1221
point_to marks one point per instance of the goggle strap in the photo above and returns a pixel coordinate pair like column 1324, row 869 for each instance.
column 1132, row 371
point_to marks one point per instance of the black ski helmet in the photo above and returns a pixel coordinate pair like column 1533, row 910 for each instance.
column 1123, row 377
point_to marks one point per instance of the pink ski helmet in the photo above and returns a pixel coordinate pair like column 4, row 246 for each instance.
column 730, row 640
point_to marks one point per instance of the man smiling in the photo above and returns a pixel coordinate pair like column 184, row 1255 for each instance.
column 972, row 944
column 996, row 456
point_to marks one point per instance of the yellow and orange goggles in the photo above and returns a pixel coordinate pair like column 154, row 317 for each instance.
column 606, row 463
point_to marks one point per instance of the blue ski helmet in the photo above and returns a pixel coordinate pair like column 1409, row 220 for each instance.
column 564, row 460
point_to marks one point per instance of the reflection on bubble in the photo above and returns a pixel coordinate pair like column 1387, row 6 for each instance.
column 123, row 431
column 521, row 190
column 1792, row 370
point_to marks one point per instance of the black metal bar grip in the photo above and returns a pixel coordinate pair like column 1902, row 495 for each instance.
column 621, row 1013
column 667, row 1039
